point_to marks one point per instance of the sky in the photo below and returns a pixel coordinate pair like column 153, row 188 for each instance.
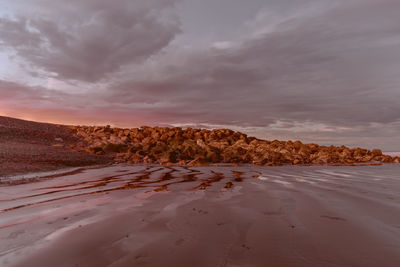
column 319, row 71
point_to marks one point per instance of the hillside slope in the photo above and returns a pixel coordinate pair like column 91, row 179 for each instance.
column 27, row 146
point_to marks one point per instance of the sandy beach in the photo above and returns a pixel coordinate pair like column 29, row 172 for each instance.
column 149, row 215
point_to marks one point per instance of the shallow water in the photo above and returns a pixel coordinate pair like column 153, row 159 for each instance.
column 149, row 215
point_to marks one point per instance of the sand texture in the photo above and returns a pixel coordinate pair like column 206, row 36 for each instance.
column 151, row 215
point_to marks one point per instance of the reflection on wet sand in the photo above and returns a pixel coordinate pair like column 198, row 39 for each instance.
column 126, row 180
column 151, row 215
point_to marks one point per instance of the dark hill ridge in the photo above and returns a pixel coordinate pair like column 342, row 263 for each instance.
column 195, row 147
column 27, row 146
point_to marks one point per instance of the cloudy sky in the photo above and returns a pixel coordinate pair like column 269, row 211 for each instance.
column 324, row 71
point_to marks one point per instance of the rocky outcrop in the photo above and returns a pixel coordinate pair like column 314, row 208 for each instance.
column 196, row 147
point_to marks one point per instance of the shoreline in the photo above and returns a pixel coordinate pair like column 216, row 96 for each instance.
column 32, row 177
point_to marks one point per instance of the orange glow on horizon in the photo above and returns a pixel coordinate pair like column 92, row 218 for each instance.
column 70, row 118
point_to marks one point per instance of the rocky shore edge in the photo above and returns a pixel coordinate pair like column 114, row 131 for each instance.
column 201, row 147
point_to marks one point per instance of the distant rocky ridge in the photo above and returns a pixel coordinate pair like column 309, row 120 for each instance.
column 198, row 147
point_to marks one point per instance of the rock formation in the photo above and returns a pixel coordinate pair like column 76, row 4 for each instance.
column 197, row 147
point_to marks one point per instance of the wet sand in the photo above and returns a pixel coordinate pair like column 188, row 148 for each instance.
column 205, row 216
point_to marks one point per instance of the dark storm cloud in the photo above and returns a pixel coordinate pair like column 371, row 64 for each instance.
column 86, row 40
column 340, row 67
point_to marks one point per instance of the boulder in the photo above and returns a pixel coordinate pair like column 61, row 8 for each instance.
column 376, row 152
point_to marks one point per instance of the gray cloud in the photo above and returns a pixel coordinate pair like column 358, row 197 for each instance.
column 338, row 67
column 86, row 40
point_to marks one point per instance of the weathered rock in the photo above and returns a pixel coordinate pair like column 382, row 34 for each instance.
column 198, row 147
column 376, row 152
column 116, row 148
